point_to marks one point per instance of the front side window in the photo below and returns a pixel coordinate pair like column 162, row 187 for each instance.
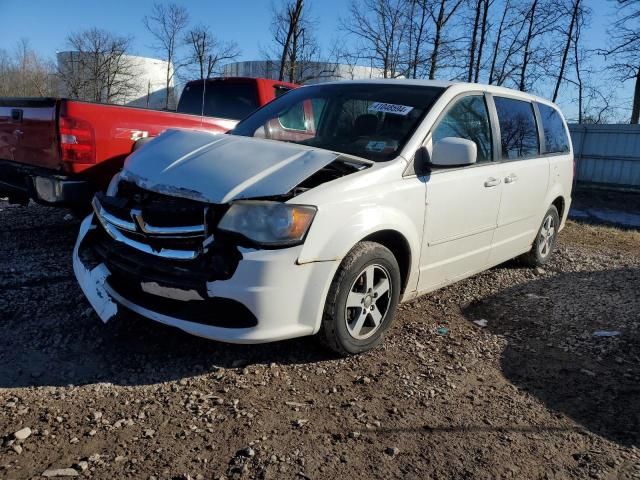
column 369, row 120
column 468, row 118
column 555, row 135
column 518, row 132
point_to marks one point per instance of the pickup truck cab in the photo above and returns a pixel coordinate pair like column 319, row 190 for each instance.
column 321, row 211
column 61, row 151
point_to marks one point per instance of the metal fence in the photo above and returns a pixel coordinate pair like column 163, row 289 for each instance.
column 607, row 155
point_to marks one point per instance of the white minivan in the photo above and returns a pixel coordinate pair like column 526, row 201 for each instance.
column 325, row 208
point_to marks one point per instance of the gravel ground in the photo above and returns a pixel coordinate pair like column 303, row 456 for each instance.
column 533, row 394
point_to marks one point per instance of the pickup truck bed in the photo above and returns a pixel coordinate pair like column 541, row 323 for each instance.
column 59, row 151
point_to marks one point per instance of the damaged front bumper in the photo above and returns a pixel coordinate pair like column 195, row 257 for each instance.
column 269, row 297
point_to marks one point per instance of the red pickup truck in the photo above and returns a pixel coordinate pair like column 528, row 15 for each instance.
column 60, row 152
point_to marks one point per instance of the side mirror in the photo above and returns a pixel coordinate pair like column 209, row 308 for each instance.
column 454, row 152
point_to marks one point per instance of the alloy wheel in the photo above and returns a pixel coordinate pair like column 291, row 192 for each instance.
column 368, row 301
column 546, row 237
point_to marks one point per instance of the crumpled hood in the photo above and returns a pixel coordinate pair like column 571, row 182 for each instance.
column 220, row 168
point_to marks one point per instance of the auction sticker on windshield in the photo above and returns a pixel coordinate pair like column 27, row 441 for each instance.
column 390, row 108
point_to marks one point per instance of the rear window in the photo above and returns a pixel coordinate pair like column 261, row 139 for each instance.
column 518, row 132
column 555, row 135
column 225, row 100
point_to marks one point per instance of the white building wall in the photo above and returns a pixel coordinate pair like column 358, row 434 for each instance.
column 314, row 72
column 147, row 88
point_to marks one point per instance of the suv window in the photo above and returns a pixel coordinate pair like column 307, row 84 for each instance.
column 518, row 132
column 468, row 118
column 555, row 135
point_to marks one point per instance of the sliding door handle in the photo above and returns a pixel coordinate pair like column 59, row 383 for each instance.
column 492, row 182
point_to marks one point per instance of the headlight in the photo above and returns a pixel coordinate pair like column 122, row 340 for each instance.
column 112, row 189
column 268, row 223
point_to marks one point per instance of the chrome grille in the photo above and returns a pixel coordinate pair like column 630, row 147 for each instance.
column 171, row 234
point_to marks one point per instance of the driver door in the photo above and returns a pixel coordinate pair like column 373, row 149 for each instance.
column 462, row 202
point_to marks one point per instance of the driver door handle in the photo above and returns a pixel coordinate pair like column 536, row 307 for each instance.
column 491, row 182
column 511, row 178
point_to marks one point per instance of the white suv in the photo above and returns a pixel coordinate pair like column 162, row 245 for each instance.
column 325, row 208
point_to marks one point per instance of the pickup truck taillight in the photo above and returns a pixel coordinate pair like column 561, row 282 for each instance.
column 77, row 141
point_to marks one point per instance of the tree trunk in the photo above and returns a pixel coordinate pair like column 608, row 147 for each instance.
column 567, row 46
column 416, row 55
column 294, row 19
column 527, row 46
column 635, row 110
column 436, row 41
column 496, row 47
column 472, row 48
column 483, row 37
column 576, row 54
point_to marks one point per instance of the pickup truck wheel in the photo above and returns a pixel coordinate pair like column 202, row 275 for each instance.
column 545, row 240
column 362, row 300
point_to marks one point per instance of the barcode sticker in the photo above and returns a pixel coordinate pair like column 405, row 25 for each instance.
column 390, row 108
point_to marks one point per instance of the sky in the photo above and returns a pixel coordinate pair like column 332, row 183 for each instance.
column 46, row 23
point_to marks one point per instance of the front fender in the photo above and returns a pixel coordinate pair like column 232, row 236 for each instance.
column 334, row 233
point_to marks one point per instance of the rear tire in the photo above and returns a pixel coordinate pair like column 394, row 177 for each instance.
column 362, row 300
column 545, row 240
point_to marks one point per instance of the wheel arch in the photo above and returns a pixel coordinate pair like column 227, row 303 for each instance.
column 399, row 246
column 559, row 203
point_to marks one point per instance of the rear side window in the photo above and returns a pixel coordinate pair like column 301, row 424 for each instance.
column 518, row 132
column 468, row 118
column 555, row 135
column 224, row 100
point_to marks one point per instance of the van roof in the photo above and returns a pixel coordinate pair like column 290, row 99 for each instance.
column 462, row 86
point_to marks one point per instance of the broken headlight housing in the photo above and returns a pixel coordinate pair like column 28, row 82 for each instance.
column 268, row 224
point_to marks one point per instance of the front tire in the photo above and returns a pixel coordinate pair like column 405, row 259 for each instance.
column 545, row 240
column 362, row 300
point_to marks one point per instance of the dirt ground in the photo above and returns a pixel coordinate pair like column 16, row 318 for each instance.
column 533, row 394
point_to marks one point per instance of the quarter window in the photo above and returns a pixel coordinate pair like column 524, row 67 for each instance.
column 555, row 135
column 518, row 132
column 468, row 118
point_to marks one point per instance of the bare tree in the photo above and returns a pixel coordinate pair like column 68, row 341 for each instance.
column 508, row 45
column 530, row 20
column 441, row 12
column 625, row 49
column 206, row 52
column 477, row 5
column 575, row 12
column 540, row 19
column 418, row 30
column 98, row 67
column 484, row 28
column 380, row 27
column 166, row 23
column 25, row 73
column 294, row 43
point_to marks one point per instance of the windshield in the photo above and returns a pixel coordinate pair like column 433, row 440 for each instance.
column 369, row 120
column 223, row 100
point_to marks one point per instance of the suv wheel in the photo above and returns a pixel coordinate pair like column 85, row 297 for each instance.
column 545, row 240
column 362, row 300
